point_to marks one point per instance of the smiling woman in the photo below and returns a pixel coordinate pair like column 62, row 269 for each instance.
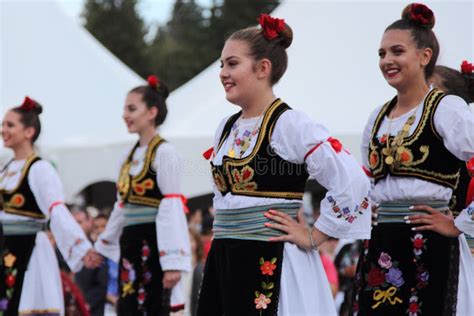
column 262, row 260
column 32, row 197
column 147, row 230
column 415, row 260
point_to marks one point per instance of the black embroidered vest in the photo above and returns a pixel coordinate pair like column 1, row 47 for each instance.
column 20, row 200
column 263, row 173
column 141, row 189
column 421, row 155
column 458, row 200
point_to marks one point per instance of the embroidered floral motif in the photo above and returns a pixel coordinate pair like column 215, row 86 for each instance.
column 3, row 305
column 142, row 187
column 9, row 260
column 268, row 267
column 262, row 300
column 145, row 276
column 346, row 213
column 17, row 200
column 470, row 211
column 374, row 159
column 422, row 275
column 385, row 281
column 243, row 179
column 127, row 277
column 219, row 180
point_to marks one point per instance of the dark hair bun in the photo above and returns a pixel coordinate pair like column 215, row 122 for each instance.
column 38, row 109
column 156, row 84
column 286, row 36
column 30, row 106
column 163, row 90
column 420, row 15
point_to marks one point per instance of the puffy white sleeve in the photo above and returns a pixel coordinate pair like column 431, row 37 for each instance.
column 454, row 121
column 108, row 242
column 465, row 221
column 171, row 225
column 344, row 210
column 48, row 191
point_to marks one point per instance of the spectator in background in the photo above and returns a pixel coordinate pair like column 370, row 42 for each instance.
column 98, row 226
column 92, row 282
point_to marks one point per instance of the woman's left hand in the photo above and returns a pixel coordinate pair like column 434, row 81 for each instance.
column 296, row 231
column 434, row 221
column 171, row 278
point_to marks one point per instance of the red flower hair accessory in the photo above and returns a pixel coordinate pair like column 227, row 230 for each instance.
column 467, row 68
column 28, row 104
column 419, row 14
column 153, row 81
column 271, row 27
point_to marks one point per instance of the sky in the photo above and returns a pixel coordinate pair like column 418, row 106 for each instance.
column 155, row 12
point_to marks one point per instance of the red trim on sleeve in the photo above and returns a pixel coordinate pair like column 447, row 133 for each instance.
column 470, row 192
column 179, row 196
column 54, row 205
column 335, row 144
column 367, row 172
column 176, row 308
column 312, row 150
column 208, row 153
column 470, row 167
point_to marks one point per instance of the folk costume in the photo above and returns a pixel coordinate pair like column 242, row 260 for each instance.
column 147, row 231
column 260, row 164
column 413, row 160
column 30, row 278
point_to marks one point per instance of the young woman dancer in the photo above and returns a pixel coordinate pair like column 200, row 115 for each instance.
column 261, row 159
column 147, row 229
column 32, row 197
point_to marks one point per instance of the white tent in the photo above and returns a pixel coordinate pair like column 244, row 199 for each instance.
column 333, row 76
column 81, row 85
column 333, row 73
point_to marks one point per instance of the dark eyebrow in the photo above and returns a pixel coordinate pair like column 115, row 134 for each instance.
column 397, row 46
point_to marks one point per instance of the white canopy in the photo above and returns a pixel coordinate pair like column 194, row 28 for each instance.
column 333, row 76
column 81, row 85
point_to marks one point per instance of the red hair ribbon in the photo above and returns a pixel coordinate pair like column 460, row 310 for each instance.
column 271, row 27
column 28, row 104
column 467, row 67
column 208, row 153
column 153, row 81
column 179, row 196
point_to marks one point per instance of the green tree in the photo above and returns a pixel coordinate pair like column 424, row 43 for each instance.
column 178, row 51
column 118, row 26
column 189, row 42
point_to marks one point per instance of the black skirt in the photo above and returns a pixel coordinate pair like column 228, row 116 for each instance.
column 241, row 277
column 402, row 272
column 140, row 280
column 15, row 258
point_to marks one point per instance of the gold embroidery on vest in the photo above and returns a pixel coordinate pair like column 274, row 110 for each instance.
column 243, row 179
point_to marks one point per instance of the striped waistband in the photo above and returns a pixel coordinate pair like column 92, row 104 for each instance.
column 248, row 223
column 136, row 215
column 11, row 228
column 395, row 211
